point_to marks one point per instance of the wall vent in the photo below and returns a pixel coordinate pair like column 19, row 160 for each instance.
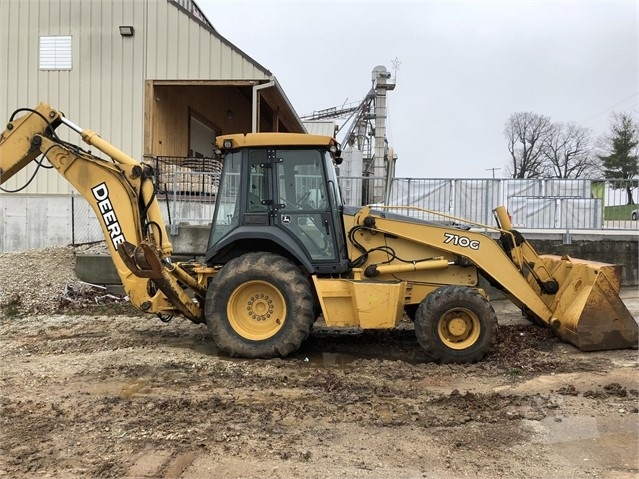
column 55, row 53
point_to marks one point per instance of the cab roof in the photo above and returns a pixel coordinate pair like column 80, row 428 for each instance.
column 246, row 140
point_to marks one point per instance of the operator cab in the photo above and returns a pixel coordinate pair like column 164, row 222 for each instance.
column 278, row 192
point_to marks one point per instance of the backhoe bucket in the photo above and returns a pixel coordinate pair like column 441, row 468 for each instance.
column 587, row 309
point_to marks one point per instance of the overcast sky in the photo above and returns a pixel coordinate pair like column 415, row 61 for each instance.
column 465, row 67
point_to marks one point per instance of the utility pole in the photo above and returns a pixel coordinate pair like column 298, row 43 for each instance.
column 493, row 170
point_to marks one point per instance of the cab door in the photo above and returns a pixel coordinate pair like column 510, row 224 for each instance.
column 258, row 200
column 303, row 207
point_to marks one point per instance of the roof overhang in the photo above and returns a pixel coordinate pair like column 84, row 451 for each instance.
column 269, row 90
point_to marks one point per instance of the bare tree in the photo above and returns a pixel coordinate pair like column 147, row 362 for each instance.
column 568, row 151
column 526, row 133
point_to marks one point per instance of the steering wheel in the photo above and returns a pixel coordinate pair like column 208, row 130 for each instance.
column 302, row 201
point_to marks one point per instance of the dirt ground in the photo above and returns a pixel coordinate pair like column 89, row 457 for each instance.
column 85, row 394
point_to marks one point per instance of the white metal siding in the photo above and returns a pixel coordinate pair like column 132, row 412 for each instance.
column 104, row 90
column 180, row 48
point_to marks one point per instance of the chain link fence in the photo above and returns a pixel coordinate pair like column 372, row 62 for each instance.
column 85, row 227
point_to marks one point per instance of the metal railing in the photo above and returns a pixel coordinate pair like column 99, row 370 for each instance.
column 551, row 204
column 187, row 190
column 166, row 167
column 358, row 191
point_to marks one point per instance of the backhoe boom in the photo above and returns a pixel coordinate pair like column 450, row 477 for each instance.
column 120, row 192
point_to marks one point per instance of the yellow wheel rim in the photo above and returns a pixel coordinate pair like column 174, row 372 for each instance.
column 459, row 328
column 256, row 310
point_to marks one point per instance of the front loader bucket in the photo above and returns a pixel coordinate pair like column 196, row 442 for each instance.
column 587, row 309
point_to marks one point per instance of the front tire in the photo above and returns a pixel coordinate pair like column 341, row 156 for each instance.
column 411, row 310
column 259, row 305
column 456, row 324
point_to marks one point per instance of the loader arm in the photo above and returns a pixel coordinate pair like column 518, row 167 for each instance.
column 577, row 299
column 481, row 250
column 121, row 193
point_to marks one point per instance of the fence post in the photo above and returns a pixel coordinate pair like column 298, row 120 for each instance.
column 174, row 227
column 451, row 198
column 72, row 219
column 487, row 203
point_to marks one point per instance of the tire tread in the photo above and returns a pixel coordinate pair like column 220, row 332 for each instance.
column 295, row 288
column 439, row 301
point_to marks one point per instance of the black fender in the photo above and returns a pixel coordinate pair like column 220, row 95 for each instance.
column 246, row 239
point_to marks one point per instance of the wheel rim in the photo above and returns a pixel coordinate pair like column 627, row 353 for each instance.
column 256, row 310
column 459, row 328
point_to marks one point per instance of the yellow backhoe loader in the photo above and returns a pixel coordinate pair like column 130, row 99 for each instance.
column 283, row 249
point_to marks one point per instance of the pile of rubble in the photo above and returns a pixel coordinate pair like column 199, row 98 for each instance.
column 44, row 281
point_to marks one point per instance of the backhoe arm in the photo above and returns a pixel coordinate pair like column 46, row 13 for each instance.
column 122, row 195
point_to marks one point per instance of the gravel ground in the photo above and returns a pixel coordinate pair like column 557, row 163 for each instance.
column 43, row 281
column 33, row 281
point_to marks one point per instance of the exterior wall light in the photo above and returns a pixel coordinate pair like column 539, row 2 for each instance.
column 126, row 30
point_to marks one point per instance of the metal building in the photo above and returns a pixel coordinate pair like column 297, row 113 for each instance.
column 153, row 77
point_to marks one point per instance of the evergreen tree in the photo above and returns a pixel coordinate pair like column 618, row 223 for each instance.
column 622, row 161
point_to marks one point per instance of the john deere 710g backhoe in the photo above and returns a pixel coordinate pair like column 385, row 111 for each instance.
column 283, row 249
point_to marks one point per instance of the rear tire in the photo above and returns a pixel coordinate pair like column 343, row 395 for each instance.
column 456, row 324
column 634, row 217
column 259, row 305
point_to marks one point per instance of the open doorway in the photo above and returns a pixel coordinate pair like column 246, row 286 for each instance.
column 201, row 138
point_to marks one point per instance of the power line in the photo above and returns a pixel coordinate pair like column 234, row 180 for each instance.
column 606, row 110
